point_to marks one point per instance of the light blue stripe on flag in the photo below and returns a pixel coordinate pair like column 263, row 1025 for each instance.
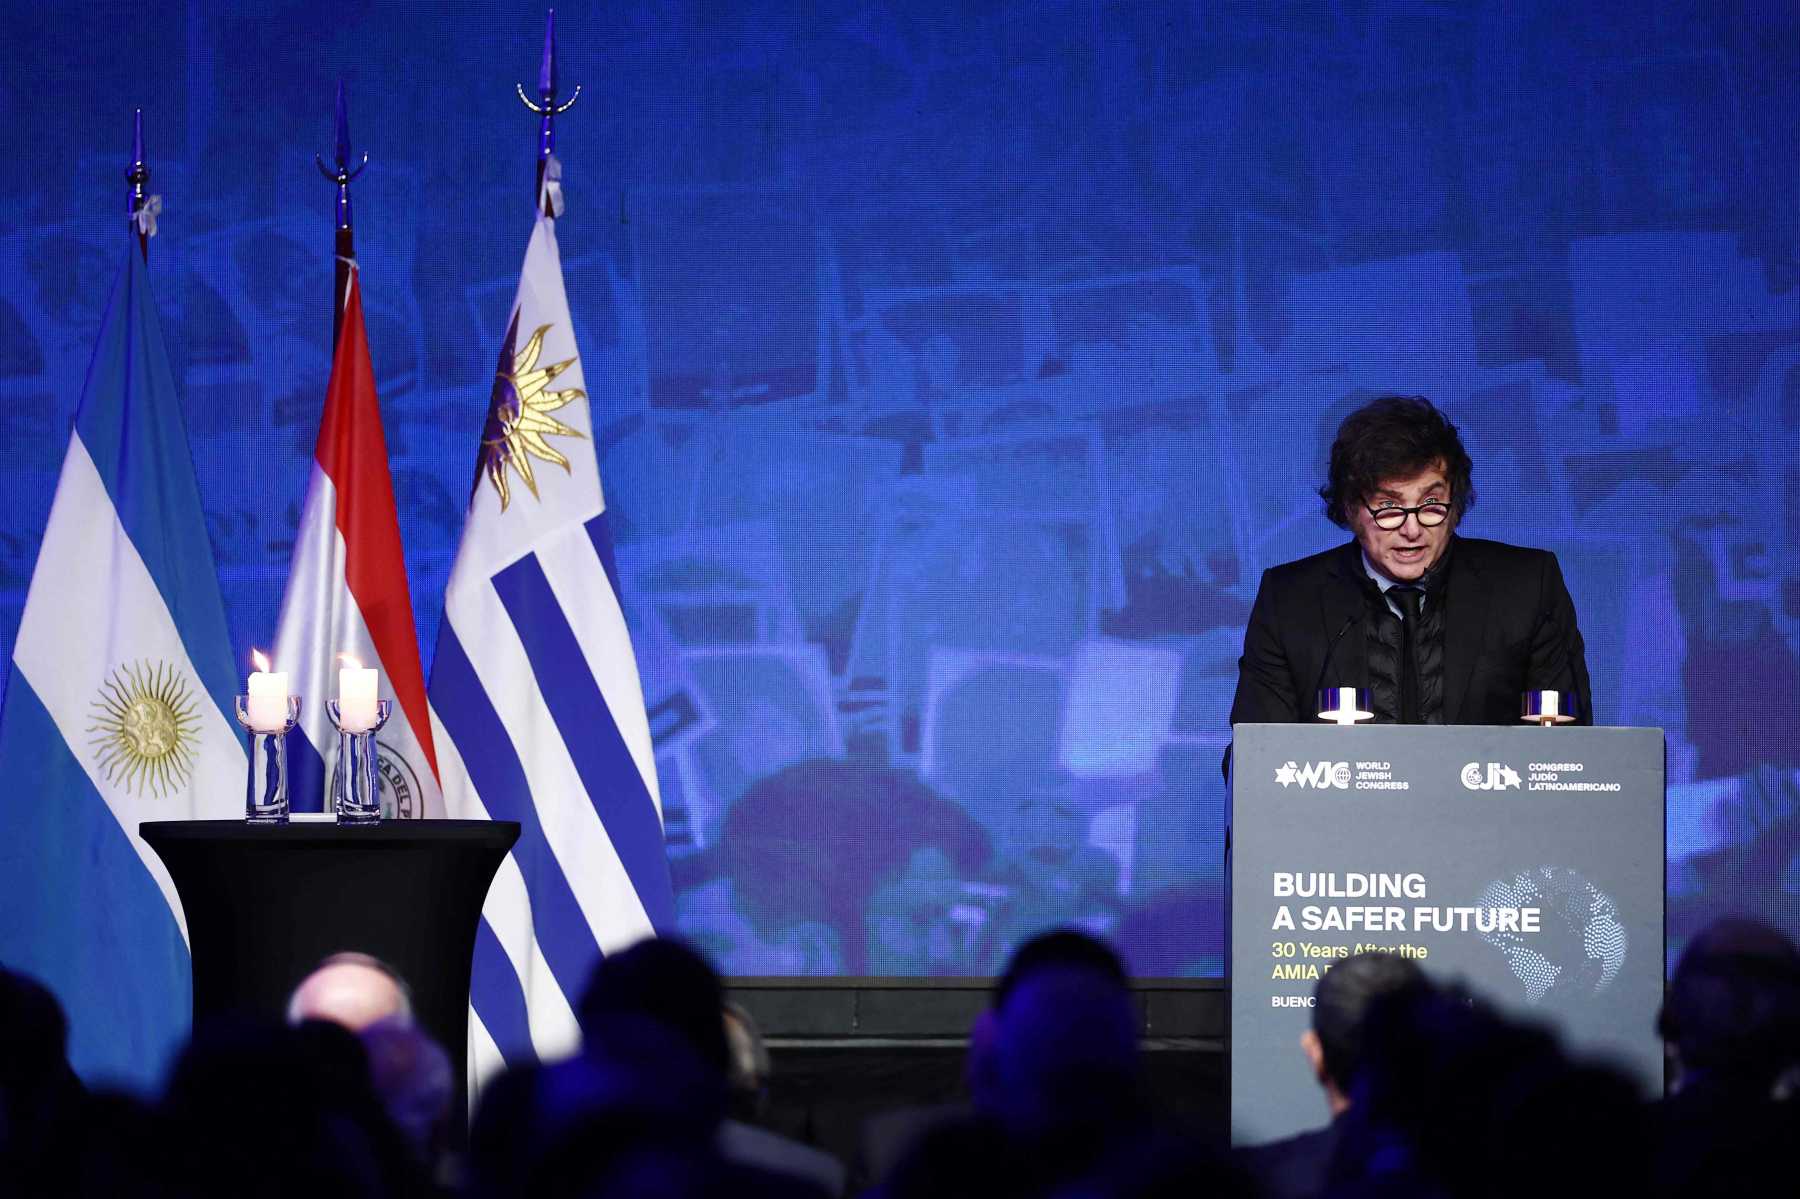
column 607, row 771
column 462, row 705
column 498, row 999
column 140, row 449
column 79, row 912
column 599, row 531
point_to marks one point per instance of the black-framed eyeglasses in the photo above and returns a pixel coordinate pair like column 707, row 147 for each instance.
column 1392, row 516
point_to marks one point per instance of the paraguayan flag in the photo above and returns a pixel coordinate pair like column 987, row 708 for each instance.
column 347, row 599
column 117, row 710
column 537, row 713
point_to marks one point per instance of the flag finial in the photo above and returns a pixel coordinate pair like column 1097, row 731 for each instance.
column 546, row 106
column 138, row 176
column 344, row 173
column 547, row 72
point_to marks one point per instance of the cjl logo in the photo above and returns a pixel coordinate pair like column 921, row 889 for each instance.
column 1498, row 777
column 1315, row 774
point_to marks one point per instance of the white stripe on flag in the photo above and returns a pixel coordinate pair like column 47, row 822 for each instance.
column 565, row 498
column 585, row 594
column 304, row 630
column 548, row 1008
column 485, row 1060
column 105, row 613
column 316, row 626
column 571, row 825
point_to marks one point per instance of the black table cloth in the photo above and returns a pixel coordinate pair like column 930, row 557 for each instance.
column 265, row 903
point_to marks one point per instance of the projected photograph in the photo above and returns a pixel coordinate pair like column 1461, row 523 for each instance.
column 953, row 387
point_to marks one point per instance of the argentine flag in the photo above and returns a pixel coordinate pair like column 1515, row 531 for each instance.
column 117, row 710
column 537, row 713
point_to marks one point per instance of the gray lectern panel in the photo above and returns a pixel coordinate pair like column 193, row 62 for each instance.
column 1526, row 862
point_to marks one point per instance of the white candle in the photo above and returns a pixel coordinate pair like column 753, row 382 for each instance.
column 356, row 696
column 268, row 697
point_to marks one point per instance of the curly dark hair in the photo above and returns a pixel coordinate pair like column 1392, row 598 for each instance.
column 1392, row 437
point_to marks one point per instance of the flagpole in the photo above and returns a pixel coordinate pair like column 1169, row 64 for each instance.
column 342, row 175
column 547, row 109
column 138, row 176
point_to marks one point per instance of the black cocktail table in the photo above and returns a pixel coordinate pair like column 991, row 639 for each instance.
column 264, row 903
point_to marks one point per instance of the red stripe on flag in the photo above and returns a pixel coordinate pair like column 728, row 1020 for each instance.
column 352, row 452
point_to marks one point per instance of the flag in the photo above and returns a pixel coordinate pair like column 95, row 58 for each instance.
column 118, row 709
column 347, row 594
column 536, row 707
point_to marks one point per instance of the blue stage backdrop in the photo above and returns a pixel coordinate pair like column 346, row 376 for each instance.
column 957, row 368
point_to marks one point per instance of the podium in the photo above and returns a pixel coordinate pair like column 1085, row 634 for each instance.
column 265, row 903
column 1524, row 862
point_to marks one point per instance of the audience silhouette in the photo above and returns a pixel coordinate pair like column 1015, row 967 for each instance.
column 1731, row 1020
column 1432, row 1094
column 1333, row 1046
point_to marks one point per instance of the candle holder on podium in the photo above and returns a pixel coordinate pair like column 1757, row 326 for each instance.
column 1546, row 708
column 1345, row 705
column 355, row 784
column 266, row 792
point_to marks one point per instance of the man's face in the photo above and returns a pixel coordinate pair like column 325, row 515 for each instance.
column 1405, row 553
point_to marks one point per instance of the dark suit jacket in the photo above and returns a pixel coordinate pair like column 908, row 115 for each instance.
column 750, row 1145
column 1509, row 626
column 1296, row 1168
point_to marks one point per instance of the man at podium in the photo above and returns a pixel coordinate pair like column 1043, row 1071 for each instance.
column 1442, row 629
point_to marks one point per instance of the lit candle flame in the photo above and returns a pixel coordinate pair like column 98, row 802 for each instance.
column 262, row 663
column 350, row 661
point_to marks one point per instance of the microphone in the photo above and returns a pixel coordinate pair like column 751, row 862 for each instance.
column 1225, row 762
column 1319, row 684
column 1552, row 631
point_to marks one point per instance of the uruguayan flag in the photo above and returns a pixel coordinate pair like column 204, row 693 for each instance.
column 117, row 710
column 536, row 709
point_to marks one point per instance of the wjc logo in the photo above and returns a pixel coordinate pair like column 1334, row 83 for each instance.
column 1315, row 774
column 1498, row 777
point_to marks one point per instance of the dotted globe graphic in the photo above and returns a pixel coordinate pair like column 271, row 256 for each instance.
column 1581, row 945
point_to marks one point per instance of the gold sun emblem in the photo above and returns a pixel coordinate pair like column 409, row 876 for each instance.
column 144, row 728
column 519, row 421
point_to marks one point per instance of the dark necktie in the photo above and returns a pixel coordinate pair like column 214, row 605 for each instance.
column 1408, row 598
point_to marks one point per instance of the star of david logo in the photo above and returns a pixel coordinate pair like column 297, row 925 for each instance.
column 1286, row 773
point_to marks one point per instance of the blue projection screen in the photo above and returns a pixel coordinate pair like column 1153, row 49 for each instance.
column 957, row 369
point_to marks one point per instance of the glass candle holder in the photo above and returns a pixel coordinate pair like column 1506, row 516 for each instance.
column 1345, row 705
column 355, row 782
column 266, row 792
column 1548, row 708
